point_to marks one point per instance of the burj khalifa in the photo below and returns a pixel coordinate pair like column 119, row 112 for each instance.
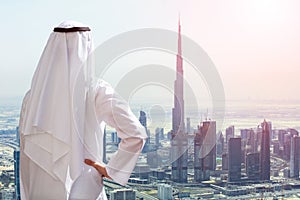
column 179, row 141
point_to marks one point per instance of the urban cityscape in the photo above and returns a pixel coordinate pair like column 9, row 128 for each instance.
column 189, row 161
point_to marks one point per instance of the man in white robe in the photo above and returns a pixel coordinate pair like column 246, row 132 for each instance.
column 62, row 121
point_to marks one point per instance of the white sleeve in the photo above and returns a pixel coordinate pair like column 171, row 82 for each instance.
column 115, row 111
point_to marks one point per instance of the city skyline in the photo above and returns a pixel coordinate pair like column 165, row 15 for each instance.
column 186, row 154
column 241, row 37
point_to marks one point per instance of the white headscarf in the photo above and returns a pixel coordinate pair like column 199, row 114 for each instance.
column 60, row 127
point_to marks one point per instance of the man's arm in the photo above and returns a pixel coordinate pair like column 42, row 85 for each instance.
column 116, row 113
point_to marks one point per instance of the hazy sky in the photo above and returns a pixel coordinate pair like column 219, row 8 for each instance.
column 254, row 44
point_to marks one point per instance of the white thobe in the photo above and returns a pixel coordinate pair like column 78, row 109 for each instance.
column 36, row 183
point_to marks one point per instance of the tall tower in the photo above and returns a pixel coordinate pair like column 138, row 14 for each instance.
column 104, row 146
column 205, row 151
column 295, row 157
column 229, row 133
column 17, row 165
column 143, row 121
column 265, row 152
column 179, row 140
column 235, row 161
column 178, row 110
column 252, row 166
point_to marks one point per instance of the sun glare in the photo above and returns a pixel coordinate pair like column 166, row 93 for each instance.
column 266, row 12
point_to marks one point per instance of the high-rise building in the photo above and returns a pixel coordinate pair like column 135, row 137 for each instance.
column 18, row 135
column 281, row 134
column 251, row 142
column 17, row 173
column 248, row 142
column 114, row 138
column 293, row 132
column 179, row 140
column 252, row 166
column 245, row 134
column 142, row 170
column 178, row 110
column 143, row 121
column 246, row 148
column 169, row 135
column 276, row 147
column 17, row 166
column 234, row 159
column 188, row 125
column 229, row 133
column 220, row 144
column 165, row 192
column 257, row 138
column 271, row 130
column 225, row 161
column 159, row 135
column 205, row 151
column 295, row 157
column 269, row 124
column 179, row 157
column 265, row 152
column 104, row 146
column 153, row 159
column 122, row 194
column 287, row 146
column 286, row 172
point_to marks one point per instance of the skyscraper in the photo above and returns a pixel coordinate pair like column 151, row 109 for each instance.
column 178, row 110
column 287, row 146
column 104, row 146
column 251, row 142
column 220, row 144
column 143, row 121
column 205, row 151
column 265, row 152
column 245, row 134
column 122, row 194
column 252, row 166
column 164, row 191
column 18, row 135
column 234, row 159
column 17, row 173
column 17, row 166
column 229, row 133
column 179, row 141
column 225, row 161
column 271, row 130
column 281, row 134
column 188, row 125
column 293, row 132
column 295, row 157
column 159, row 135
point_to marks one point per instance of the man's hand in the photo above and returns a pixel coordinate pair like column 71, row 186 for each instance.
column 100, row 168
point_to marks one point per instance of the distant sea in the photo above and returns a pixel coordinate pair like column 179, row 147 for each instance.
column 249, row 114
column 241, row 114
column 10, row 112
